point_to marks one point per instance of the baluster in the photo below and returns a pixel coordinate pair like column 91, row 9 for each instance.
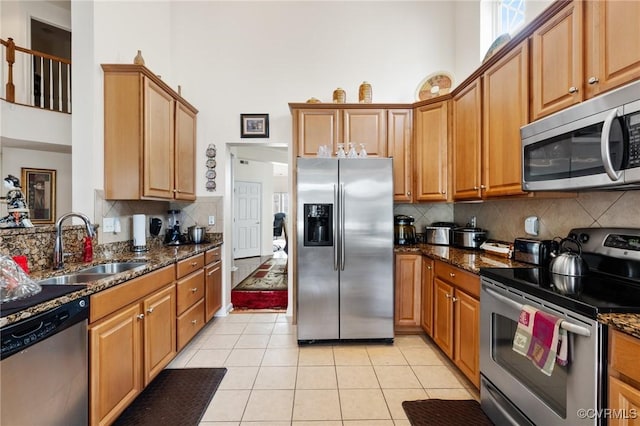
column 50, row 84
column 59, row 86
column 41, row 81
column 10, row 89
column 68, row 88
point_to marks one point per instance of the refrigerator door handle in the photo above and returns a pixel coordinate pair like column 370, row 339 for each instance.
column 336, row 231
column 342, row 244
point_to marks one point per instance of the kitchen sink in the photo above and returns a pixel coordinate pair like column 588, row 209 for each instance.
column 77, row 278
column 112, row 268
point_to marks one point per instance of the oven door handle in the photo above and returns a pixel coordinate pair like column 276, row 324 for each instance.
column 569, row 326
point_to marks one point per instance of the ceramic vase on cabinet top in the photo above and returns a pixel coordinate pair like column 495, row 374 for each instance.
column 138, row 60
column 364, row 93
column 339, row 96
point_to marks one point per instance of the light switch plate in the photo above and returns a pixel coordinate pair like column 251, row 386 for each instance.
column 212, row 220
column 108, row 224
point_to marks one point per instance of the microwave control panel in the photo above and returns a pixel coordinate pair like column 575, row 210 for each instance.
column 633, row 122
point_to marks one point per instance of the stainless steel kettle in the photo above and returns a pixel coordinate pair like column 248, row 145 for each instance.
column 568, row 262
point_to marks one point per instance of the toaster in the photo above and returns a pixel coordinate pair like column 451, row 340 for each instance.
column 529, row 250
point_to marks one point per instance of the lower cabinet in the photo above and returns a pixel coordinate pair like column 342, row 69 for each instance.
column 213, row 283
column 190, row 292
column 624, row 378
column 129, row 342
column 456, row 317
column 408, row 282
column 427, row 296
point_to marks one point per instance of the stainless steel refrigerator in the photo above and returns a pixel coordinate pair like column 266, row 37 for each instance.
column 344, row 248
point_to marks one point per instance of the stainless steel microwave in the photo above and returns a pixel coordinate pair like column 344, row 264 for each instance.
column 592, row 145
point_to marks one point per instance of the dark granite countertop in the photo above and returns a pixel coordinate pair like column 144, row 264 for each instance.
column 469, row 260
column 626, row 323
column 155, row 259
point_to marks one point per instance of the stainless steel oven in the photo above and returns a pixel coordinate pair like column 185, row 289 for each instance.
column 513, row 391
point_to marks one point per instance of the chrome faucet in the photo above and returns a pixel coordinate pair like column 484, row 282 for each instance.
column 58, row 249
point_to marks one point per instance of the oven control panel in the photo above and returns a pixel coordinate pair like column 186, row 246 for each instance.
column 620, row 243
column 623, row 242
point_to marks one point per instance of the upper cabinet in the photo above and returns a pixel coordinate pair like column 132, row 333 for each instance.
column 384, row 130
column 556, row 66
column 467, row 133
column 149, row 137
column 612, row 53
column 585, row 49
column 431, row 152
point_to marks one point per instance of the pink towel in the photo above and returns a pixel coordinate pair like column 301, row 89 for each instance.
column 540, row 338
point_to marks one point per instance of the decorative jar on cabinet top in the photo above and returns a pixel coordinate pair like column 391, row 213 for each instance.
column 339, row 96
column 364, row 93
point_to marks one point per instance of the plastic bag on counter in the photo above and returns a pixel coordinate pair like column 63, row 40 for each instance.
column 14, row 282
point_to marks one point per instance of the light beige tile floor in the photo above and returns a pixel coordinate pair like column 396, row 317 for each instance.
column 270, row 381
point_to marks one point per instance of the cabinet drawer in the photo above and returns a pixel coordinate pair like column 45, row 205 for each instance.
column 212, row 255
column 462, row 279
column 190, row 290
column 187, row 266
column 190, row 323
column 623, row 355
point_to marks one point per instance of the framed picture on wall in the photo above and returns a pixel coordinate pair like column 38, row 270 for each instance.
column 254, row 125
column 39, row 187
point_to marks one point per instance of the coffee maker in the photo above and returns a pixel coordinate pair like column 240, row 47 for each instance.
column 173, row 236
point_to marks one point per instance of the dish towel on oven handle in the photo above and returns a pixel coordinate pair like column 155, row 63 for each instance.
column 540, row 338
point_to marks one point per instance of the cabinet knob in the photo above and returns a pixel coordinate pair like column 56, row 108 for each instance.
column 454, row 299
column 443, row 192
column 447, row 295
column 573, row 89
column 483, row 187
column 175, row 190
column 476, row 188
column 195, row 289
column 194, row 263
column 409, row 193
column 429, row 267
column 140, row 316
column 194, row 322
column 593, row 80
column 451, row 274
column 210, row 273
column 150, row 310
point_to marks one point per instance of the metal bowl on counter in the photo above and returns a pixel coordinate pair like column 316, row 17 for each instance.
column 439, row 233
column 467, row 237
column 196, row 234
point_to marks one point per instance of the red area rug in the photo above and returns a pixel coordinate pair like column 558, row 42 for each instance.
column 265, row 288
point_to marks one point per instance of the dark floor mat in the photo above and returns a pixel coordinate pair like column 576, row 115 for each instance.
column 437, row 412
column 174, row 397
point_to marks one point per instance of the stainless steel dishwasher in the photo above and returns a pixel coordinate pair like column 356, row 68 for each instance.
column 44, row 368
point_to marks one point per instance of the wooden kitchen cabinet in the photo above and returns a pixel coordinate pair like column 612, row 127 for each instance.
column 557, row 63
column 427, row 296
column 466, row 143
column 408, row 283
column 432, row 168
column 190, row 294
column 213, row 283
column 624, row 378
column 313, row 128
column 367, row 126
column 399, row 148
column 505, row 102
column 456, row 328
column 132, row 337
column 149, row 137
column 612, row 46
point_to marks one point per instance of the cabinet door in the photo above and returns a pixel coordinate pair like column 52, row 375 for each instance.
column 443, row 316
column 505, row 110
column 158, row 142
column 612, row 47
column 213, row 289
column 431, row 152
column 159, row 331
column 408, row 283
column 115, row 374
column 367, row 126
column 467, row 122
column 557, row 71
column 399, row 148
column 625, row 400
column 427, row 296
column 185, row 152
column 315, row 127
column 467, row 336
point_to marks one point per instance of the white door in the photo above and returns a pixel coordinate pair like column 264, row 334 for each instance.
column 248, row 210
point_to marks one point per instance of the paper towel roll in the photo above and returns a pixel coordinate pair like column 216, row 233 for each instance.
column 139, row 230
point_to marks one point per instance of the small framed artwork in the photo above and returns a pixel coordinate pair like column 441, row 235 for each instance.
column 39, row 186
column 254, row 125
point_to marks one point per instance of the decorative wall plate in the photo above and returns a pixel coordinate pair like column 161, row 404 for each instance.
column 211, row 151
column 436, row 84
column 211, row 163
column 500, row 41
column 211, row 174
column 211, row 185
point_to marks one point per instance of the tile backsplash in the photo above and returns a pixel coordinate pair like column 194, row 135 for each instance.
column 504, row 219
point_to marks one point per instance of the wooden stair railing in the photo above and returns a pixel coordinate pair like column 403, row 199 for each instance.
column 48, row 78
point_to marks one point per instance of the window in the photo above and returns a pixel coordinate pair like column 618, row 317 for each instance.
column 281, row 202
column 510, row 16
